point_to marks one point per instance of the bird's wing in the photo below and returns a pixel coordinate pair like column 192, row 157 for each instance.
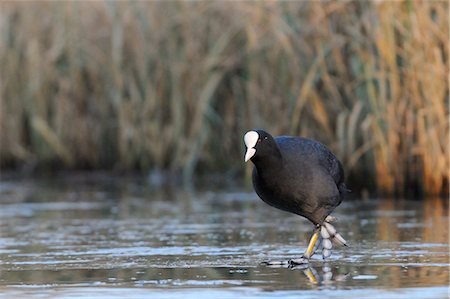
column 329, row 162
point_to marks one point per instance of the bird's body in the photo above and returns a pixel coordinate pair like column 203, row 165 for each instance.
column 300, row 176
column 305, row 179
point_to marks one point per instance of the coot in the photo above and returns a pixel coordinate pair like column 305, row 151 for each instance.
column 301, row 176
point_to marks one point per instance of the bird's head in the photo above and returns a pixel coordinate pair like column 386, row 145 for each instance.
column 257, row 143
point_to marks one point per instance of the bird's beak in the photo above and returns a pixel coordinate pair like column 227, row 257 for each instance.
column 250, row 139
column 249, row 154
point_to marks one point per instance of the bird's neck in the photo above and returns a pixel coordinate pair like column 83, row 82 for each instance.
column 273, row 162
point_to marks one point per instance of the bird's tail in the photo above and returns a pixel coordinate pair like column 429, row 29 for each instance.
column 328, row 234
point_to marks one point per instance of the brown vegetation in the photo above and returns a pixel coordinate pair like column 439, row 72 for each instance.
column 174, row 85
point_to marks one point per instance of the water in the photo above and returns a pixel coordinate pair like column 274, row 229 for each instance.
column 116, row 239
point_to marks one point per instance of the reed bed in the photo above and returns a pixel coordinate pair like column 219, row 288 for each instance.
column 174, row 85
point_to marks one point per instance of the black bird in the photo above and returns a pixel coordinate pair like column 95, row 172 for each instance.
column 301, row 176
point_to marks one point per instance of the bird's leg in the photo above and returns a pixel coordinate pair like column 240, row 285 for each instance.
column 310, row 250
column 322, row 237
column 312, row 243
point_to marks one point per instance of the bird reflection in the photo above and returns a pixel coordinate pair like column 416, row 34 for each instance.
column 314, row 277
column 323, row 277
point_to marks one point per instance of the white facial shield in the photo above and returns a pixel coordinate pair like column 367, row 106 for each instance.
column 250, row 139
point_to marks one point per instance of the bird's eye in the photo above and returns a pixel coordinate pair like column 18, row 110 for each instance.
column 265, row 138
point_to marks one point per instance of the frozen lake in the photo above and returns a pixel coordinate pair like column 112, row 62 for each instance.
column 117, row 239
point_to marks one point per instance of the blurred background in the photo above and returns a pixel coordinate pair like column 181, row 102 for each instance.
column 167, row 89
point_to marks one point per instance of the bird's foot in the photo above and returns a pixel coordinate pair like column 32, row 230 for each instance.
column 329, row 232
column 300, row 261
column 330, row 219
